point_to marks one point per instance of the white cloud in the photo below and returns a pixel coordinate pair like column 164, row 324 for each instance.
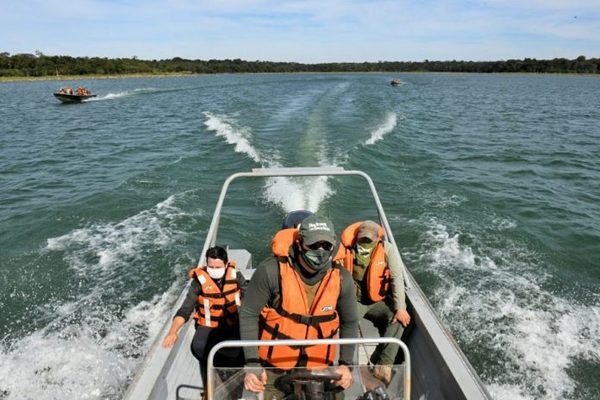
column 305, row 31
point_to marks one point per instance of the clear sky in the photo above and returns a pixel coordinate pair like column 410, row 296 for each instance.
column 309, row 31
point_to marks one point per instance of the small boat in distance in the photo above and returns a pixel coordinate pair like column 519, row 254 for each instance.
column 395, row 82
column 66, row 95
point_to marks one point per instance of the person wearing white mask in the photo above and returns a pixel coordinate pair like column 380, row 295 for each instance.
column 215, row 292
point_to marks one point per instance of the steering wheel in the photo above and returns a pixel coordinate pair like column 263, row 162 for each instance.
column 308, row 381
column 318, row 375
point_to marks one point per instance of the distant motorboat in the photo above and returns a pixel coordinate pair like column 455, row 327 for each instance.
column 395, row 82
column 66, row 95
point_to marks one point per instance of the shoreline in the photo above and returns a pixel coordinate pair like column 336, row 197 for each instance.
column 12, row 79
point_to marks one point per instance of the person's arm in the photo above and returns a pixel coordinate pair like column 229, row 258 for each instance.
column 397, row 267
column 242, row 283
column 182, row 314
column 348, row 313
column 260, row 289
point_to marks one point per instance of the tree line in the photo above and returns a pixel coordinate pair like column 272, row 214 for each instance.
column 40, row 65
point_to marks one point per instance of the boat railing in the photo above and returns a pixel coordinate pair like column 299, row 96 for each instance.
column 210, row 389
column 159, row 360
column 211, row 235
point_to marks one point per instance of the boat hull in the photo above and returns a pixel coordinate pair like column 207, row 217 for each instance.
column 72, row 98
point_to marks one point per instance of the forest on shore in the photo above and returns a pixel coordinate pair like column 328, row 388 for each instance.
column 39, row 65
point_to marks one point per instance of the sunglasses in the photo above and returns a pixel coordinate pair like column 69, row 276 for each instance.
column 322, row 244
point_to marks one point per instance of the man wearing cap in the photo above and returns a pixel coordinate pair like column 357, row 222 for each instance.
column 299, row 293
column 376, row 268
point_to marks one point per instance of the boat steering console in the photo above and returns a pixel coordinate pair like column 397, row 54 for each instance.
column 316, row 385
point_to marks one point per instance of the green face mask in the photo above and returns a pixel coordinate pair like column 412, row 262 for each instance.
column 317, row 259
column 366, row 248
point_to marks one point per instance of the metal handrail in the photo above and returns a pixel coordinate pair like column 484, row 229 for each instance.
column 211, row 235
column 161, row 358
column 306, row 342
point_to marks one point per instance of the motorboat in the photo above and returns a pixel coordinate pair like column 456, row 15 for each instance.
column 68, row 96
column 430, row 364
column 395, row 82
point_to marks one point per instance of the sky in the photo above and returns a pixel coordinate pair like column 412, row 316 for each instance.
column 311, row 31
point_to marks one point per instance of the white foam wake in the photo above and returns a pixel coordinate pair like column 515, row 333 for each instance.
column 90, row 346
column 114, row 245
column 91, row 359
column 504, row 306
column 125, row 93
column 390, row 122
column 227, row 128
column 292, row 194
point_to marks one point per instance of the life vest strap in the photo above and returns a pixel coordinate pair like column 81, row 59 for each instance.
column 311, row 320
column 225, row 306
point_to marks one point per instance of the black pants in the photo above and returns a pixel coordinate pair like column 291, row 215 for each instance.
column 206, row 338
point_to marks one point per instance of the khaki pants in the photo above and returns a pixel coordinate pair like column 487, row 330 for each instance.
column 381, row 314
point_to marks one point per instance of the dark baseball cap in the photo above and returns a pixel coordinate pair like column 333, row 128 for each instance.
column 315, row 229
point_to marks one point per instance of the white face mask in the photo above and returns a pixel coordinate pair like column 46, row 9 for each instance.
column 216, row 273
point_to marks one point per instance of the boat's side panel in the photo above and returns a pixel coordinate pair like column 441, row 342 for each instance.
column 72, row 98
column 439, row 368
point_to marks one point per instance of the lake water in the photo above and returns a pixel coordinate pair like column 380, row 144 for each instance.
column 491, row 184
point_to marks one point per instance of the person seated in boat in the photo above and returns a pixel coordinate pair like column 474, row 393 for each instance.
column 216, row 292
column 299, row 293
column 376, row 268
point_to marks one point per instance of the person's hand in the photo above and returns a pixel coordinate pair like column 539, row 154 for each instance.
column 169, row 340
column 255, row 384
column 403, row 316
column 345, row 380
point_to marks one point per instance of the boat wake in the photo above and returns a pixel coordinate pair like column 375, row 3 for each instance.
column 288, row 193
column 89, row 343
column 126, row 93
column 497, row 299
column 388, row 125
column 227, row 128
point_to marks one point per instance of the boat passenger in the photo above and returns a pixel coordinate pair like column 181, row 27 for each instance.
column 299, row 293
column 376, row 268
column 216, row 292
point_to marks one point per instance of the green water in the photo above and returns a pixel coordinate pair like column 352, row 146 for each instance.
column 490, row 183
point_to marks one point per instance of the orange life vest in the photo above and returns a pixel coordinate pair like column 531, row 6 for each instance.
column 293, row 319
column 378, row 274
column 217, row 306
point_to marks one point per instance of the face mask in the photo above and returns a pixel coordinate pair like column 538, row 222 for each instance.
column 317, row 259
column 365, row 249
column 216, row 273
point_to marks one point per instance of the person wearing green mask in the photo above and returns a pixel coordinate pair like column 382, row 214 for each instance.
column 376, row 268
column 299, row 293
